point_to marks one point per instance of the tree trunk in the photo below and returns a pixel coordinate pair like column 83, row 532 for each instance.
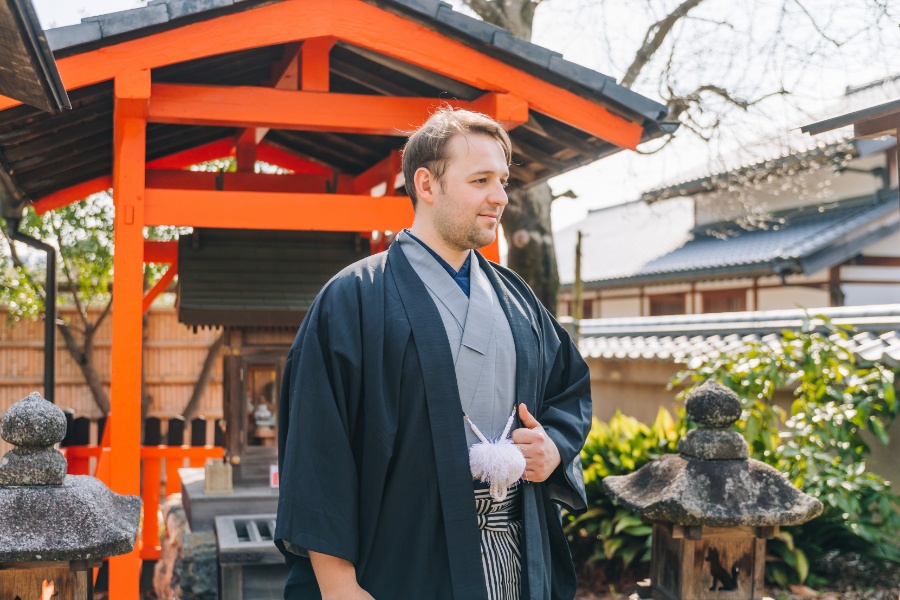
column 526, row 226
column 84, row 358
column 191, row 408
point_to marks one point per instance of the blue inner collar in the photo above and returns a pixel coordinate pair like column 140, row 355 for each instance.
column 461, row 277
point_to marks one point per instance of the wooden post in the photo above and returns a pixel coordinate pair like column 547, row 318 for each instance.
column 577, row 290
column 132, row 95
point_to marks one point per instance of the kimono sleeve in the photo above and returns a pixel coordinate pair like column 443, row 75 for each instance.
column 565, row 413
column 319, row 485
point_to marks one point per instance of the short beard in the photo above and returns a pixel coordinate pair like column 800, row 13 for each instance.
column 461, row 237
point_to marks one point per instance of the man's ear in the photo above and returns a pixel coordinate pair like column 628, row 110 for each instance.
column 425, row 183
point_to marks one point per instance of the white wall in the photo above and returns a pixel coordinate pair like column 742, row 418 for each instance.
column 859, row 294
column 792, row 297
column 620, row 307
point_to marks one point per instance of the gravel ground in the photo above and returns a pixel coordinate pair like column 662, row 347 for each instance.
column 850, row 578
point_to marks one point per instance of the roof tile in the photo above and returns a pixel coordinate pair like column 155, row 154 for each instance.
column 530, row 52
column 73, row 35
column 129, row 20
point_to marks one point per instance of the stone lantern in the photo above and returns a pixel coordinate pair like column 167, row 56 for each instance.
column 54, row 527
column 712, row 508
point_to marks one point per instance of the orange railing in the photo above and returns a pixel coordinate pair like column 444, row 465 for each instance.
column 152, row 457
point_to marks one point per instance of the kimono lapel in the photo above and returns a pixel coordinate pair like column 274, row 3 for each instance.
column 528, row 373
column 524, row 332
column 476, row 335
column 446, row 420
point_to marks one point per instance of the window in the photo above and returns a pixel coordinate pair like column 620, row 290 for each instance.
column 719, row 301
column 587, row 309
column 666, row 304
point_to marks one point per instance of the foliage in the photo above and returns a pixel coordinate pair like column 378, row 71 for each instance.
column 606, row 535
column 819, row 442
column 82, row 234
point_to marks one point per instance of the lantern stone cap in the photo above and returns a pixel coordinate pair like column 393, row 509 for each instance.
column 46, row 515
column 712, row 482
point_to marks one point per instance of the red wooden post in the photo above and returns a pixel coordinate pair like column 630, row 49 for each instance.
column 151, row 489
column 132, row 94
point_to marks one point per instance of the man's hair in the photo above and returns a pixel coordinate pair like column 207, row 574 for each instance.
column 427, row 146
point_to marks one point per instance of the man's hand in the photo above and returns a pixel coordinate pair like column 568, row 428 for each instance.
column 336, row 578
column 541, row 454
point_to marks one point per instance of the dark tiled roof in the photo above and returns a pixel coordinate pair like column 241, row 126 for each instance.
column 683, row 338
column 28, row 72
column 94, row 30
column 801, row 241
column 258, row 278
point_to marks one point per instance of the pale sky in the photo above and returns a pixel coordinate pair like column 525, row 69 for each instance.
column 603, row 35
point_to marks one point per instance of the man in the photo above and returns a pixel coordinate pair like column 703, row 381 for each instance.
column 400, row 359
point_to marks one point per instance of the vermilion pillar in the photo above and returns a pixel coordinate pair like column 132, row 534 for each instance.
column 132, row 95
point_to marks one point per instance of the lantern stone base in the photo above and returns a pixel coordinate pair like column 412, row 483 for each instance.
column 69, row 580
column 708, row 563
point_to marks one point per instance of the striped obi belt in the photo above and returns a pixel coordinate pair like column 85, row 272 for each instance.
column 500, row 525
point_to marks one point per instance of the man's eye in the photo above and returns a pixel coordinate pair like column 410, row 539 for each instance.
column 482, row 180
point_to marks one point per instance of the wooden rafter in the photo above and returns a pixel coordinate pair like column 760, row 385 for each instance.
column 386, row 172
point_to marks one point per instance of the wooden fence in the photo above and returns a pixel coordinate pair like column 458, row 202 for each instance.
column 170, row 444
column 173, row 358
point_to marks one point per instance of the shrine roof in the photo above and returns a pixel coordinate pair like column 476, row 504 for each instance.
column 44, row 155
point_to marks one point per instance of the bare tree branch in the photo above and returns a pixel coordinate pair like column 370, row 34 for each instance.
column 668, row 140
column 82, row 313
column 488, row 10
column 815, row 25
column 656, row 34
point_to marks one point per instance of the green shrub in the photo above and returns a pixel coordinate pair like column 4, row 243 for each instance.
column 818, row 444
column 606, row 536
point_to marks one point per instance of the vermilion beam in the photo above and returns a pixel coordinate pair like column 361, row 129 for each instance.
column 285, row 76
column 160, row 287
column 180, row 160
column 160, row 252
column 287, row 160
column 355, row 22
column 255, row 182
column 385, row 172
column 194, row 156
column 245, row 106
column 266, row 210
column 315, row 65
column 383, row 32
column 131, row 92
column 73, row 194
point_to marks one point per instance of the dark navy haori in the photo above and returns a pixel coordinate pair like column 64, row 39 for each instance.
column 373, row 449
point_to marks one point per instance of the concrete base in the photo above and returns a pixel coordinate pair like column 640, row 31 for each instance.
column 201, row 509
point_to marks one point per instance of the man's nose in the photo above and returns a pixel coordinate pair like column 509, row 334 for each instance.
column 498, row 195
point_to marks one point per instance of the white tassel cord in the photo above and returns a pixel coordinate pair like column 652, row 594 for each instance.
column 499, row 462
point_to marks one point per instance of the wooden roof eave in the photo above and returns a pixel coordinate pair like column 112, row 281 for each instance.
column 357, row 23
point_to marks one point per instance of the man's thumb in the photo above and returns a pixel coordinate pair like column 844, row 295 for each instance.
column 526, row 418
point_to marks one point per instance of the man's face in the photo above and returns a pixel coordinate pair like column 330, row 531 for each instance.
column 470, row 198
